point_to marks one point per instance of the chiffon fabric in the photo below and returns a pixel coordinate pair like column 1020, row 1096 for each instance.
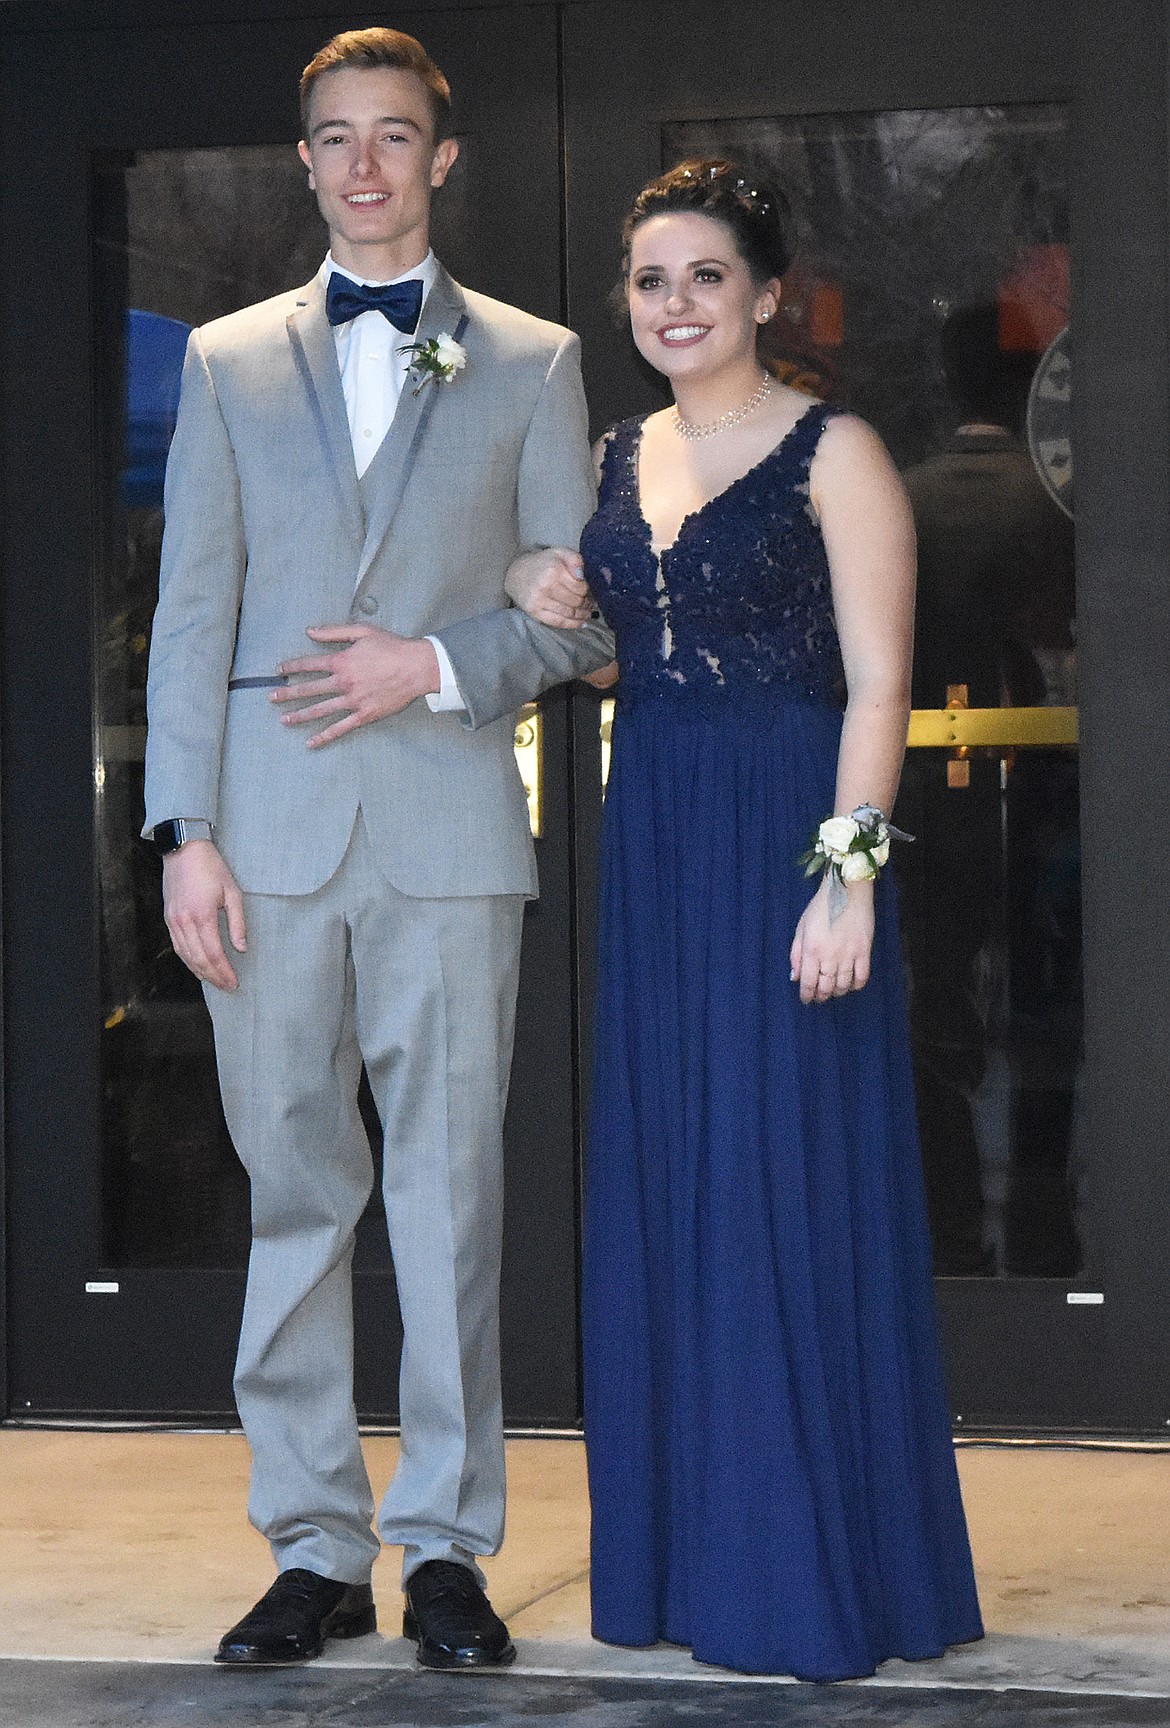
column 770, row 1460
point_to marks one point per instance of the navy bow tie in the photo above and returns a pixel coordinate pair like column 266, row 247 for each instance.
column 401, row 302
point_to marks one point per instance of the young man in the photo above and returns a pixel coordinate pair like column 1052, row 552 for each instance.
column 354, row 819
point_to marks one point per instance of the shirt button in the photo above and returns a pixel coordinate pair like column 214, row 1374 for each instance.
column 367, row 604
column 367, row 433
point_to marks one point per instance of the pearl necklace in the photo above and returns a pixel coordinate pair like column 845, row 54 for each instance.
column 690, row 429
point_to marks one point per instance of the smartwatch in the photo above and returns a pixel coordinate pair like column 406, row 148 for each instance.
column 169, row 836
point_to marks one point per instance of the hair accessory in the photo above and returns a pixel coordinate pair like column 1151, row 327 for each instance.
column 692, row 429
column 850, row 849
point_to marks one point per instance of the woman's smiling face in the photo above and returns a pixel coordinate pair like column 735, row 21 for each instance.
column 694, row 307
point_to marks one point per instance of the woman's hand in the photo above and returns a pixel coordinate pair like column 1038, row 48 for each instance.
column 548, row 585
column 831, row 959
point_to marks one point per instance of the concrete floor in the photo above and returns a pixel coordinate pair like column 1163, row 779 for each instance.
column 158, row 1695
column 125, row 1549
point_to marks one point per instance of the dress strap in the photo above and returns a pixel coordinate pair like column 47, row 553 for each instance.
column 806, row 434
column 619, row 444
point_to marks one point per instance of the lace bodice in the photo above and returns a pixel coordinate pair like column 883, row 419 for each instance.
column 740, row 605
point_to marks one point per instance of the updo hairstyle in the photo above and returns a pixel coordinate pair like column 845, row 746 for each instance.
column 757, row 215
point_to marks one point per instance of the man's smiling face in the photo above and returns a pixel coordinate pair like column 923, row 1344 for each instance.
column 373, row 163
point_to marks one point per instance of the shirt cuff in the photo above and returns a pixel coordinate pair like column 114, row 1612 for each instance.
column 447, row 700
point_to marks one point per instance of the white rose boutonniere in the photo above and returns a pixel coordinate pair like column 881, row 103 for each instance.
column 439, row 358
column 850, row 849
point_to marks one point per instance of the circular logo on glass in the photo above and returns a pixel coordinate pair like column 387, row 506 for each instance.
column 1050, row 420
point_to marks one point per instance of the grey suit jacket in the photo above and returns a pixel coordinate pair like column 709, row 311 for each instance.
column 266, row 535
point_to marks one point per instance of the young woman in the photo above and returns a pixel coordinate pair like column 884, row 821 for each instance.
column 770, row 1459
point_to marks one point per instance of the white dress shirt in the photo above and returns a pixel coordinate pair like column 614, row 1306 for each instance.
column 373, row 358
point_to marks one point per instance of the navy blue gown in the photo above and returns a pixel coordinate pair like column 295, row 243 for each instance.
column 770, row 1460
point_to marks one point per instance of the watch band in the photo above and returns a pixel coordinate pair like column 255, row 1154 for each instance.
column 169, row 836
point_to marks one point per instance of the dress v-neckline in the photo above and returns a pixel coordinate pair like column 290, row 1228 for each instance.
column 659, row 552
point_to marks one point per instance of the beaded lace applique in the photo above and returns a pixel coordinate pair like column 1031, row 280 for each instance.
column 741, row 602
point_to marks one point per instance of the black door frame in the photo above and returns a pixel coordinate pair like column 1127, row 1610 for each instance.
column 623, row 74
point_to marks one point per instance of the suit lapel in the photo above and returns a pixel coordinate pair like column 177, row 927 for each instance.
column 445, row 306
column 315, row 354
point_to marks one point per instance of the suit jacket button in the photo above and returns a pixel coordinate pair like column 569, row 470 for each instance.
column 368, row 605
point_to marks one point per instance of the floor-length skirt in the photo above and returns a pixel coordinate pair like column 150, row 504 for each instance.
column 770, row 1459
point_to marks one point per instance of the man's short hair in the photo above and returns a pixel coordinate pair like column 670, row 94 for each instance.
column 380, row 47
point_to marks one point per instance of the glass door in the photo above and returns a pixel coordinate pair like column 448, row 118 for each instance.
column 176, row 195
column 953, row 234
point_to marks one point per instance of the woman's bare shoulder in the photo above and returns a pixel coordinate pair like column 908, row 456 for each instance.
column 851, row 465
column 847, row 437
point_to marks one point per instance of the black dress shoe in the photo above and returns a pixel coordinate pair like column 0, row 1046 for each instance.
column 292, row 1620
column 452, row 1621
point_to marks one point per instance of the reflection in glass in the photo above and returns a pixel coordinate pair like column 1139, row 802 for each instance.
column 931, row 293
column 180, row 237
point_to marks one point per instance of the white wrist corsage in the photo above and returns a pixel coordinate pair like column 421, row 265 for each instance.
column 439, row 357
column 850, row 849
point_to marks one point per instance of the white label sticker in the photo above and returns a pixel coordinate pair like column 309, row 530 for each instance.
column 96, row 1288
column 1086, row 1298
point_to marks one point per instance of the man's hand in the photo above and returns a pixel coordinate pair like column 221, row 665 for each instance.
column 197, row 886
column 548, row 585
column 379, row 673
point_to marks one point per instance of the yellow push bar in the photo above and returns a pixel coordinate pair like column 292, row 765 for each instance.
column 997, row 728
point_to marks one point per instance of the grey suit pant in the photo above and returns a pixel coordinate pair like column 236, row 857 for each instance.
column 425, row 992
